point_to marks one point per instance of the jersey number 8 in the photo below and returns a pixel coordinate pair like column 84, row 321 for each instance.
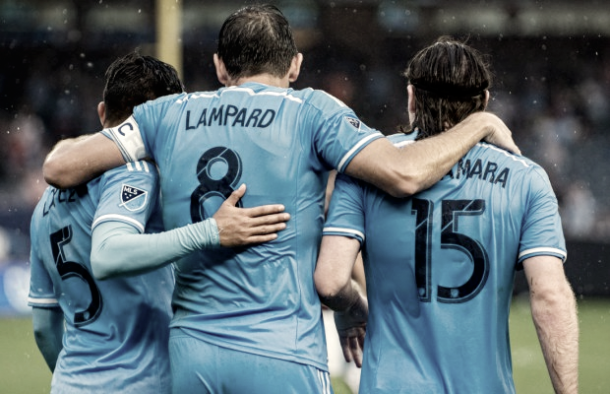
column 209, row 185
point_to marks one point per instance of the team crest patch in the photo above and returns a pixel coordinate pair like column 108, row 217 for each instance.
column 354, row 122
column 133, row 198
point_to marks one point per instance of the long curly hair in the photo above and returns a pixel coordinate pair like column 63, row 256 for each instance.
column 449, row 80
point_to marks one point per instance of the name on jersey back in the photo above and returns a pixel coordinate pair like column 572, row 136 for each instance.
column 230, row 115
column 483, row 170
column 58, row 196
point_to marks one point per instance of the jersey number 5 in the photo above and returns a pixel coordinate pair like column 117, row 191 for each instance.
column 450, row 238
column 215, row 186
column 70, row 269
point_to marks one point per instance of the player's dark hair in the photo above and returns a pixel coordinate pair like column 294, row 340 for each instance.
column 256, row 39
column 134, row 79
column 449, row 80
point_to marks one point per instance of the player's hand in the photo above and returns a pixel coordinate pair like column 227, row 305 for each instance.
column 244, row 226
column 351, row 326
column 499, row 134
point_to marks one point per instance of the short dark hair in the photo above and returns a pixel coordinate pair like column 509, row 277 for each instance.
column 134, row 79
column 449, row 80
column 256, row 39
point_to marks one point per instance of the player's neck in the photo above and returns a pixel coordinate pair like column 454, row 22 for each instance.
column 265, row 79
column 108, row 125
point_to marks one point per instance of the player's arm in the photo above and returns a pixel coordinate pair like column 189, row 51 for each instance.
column 77, row 160
column 48, row 324
column 415, row 167
column 555, row 317
column 119, row 249
column 339, row 292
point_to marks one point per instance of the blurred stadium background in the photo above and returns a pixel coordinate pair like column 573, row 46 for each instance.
column 551, row 61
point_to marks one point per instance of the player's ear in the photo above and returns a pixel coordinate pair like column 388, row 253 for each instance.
column 101, row 112
column 486, row 97
column 411, row 102
column 221, row 70
column 295, row 67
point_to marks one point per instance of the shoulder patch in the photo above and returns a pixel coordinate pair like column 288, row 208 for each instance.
column 133, row 198
column 354, row 122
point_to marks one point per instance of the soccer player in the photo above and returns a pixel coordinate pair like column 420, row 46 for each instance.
column 440, row 265
column 250, row 321
column 116, row 331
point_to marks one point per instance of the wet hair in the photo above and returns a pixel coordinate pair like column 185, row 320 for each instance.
column 255, row 40
column 134, row 79
column 449, row 80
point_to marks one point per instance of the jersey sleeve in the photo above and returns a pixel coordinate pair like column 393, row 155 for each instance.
column 346, row 210
column 129, row 194
column 541, row 233
column 340, row 135
column 41, row 294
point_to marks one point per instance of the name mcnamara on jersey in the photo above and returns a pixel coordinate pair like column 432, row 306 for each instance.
column 483, row 170
column 230, row 115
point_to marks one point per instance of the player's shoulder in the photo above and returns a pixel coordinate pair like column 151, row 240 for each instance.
column 402, row 139
column 502, row 155
column 319, row 99
column 160, row 102
column 41, row 207
column 490, row 158
column 138, row 168
column 168, row 99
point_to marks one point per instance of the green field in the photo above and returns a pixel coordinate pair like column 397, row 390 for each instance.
column 23, row 370
column 528, row 364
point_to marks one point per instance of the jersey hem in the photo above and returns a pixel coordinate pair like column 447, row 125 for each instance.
column 193, row 333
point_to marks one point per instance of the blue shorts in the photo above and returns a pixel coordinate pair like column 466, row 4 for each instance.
column 200, row 367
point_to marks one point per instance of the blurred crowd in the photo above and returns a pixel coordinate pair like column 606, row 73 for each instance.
column 557, row 105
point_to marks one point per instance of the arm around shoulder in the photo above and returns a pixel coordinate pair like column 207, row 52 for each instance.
column 416, row 167
column 78, row 160
column 554, row 313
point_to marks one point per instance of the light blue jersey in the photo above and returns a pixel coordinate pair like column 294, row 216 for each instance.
column 116, row 330
column 440, row 268
column 281, row 143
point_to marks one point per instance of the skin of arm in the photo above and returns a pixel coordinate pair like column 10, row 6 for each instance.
column 78, row 160
column 119, row 249
column 554, row 313
column 48, row 325
column 416, row 167
column 342, row 294
column 358, row 271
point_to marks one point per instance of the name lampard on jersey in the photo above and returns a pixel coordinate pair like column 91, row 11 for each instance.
column 230, row 115
column 486, row 171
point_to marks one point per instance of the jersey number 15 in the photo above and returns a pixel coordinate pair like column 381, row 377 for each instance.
column 450, row 238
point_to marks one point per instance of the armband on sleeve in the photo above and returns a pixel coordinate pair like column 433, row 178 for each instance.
column 128, row 138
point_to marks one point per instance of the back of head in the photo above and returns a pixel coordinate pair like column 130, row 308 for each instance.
column 134, row 79
column 450, row 80
column 256, row 40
